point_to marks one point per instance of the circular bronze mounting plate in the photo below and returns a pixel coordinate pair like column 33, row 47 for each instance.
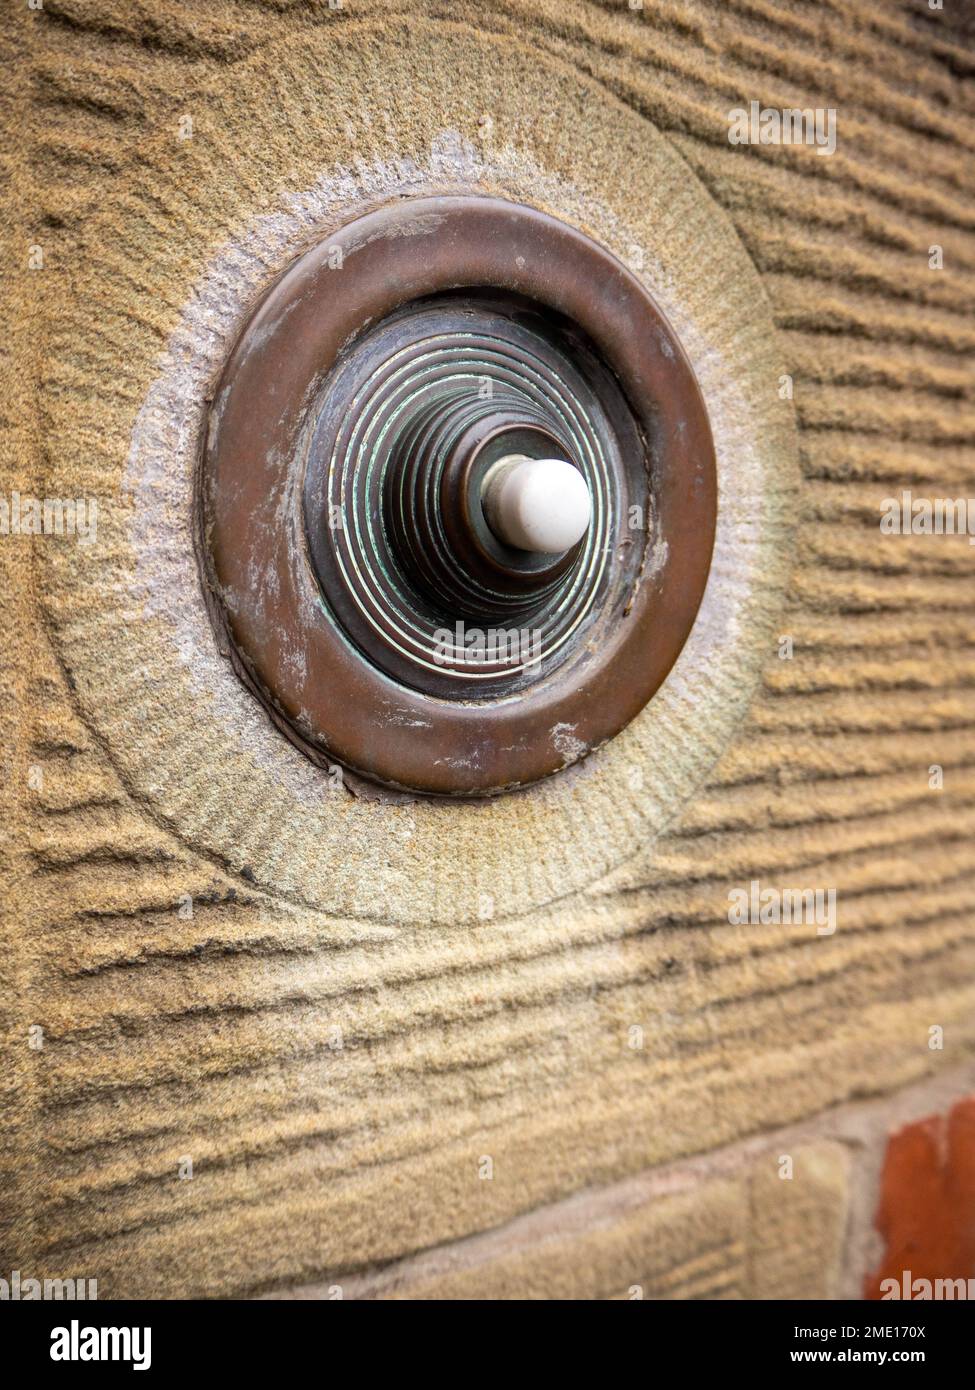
column 286, row 636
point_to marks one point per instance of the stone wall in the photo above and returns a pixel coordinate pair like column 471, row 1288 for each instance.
column 259, row 1041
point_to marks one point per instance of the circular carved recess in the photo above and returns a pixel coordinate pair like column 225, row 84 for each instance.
column 366, row 598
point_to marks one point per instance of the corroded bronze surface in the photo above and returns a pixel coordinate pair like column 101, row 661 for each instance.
column 355, row 576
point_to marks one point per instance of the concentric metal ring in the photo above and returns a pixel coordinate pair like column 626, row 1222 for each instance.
column 406, row 431
column 340, row 495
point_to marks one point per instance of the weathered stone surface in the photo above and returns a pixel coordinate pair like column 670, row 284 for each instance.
column 750, row 1235
column 684, row 1245
column 797, row 1225
column 337, row 1074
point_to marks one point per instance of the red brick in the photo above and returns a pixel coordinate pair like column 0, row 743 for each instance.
column 926, row 1213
